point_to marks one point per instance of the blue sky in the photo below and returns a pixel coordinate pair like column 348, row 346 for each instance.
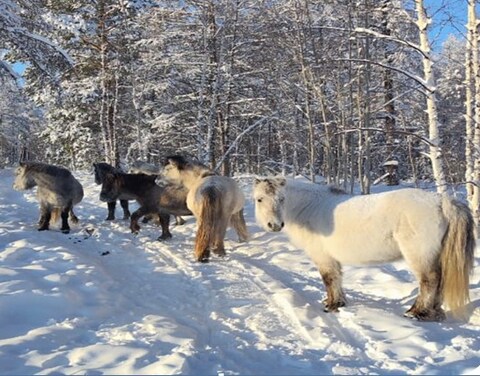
column 450, row 18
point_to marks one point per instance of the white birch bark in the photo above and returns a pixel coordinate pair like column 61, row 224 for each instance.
column 475, row 197
column 469, row 95
column 435, row 152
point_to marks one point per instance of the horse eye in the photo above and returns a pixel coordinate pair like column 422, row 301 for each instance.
column 259, row 200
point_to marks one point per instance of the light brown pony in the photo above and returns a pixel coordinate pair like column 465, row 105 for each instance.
column 215, row 201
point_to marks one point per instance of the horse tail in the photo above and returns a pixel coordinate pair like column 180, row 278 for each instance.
column 457, row 255
column 208, row 222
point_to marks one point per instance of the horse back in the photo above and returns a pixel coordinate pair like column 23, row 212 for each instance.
column 367, row 229
column 60, row 189
column 227, row 192
column 138, row 187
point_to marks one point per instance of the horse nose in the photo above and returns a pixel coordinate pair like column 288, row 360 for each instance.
column 275, row 226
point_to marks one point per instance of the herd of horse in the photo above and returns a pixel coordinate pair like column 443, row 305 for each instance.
column 433, row 233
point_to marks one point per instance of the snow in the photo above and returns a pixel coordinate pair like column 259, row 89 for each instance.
column 103, row 301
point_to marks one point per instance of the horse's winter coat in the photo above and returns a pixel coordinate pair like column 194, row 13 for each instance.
column 140, row 167
column 100, row 169
column 57, row 192
column 216, row 201
column 152, row 198
column 433, row 233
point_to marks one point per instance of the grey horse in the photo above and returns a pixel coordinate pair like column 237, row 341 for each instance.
column 57, row 192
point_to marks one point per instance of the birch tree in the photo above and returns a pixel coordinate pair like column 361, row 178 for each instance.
column 472, row 153
column 435, row 154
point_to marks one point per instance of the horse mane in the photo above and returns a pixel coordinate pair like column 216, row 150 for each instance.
column 105, row 167
column 183, row 163
column 46, row 169
column 136, row 178
column 309, row 186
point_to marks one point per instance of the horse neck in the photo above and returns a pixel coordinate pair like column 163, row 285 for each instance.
column 136, row 184
column 298, row 196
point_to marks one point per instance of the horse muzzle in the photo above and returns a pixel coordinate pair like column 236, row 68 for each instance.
column 275, row 227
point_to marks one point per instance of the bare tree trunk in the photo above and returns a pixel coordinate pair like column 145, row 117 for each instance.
column 472, row 152
column 213, row 78
column 389, row 96
column 107, row 111
column 470, row 68
column 104, row 78
column 433, row 122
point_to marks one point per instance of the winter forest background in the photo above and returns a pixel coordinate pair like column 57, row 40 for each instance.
column 314, row 87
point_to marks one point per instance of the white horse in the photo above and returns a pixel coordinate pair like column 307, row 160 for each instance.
column 433, row 233
column 216, row 201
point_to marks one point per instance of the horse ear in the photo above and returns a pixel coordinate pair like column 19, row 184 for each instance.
column 257, row 180
column 169, row 160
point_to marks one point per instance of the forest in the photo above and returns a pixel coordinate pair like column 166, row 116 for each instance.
column 332, row 88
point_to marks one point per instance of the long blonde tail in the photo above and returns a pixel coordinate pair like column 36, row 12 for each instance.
column 210, row 213
column 457, row 255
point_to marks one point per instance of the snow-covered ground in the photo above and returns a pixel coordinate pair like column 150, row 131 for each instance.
column 104, row 301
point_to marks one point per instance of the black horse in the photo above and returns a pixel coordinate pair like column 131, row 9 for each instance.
column 164, row 200
column 100, row 169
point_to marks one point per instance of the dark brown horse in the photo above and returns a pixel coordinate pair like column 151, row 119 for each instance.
column 153, row 199
column 100, row 169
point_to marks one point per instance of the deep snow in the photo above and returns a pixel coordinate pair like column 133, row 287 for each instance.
column 103, row 301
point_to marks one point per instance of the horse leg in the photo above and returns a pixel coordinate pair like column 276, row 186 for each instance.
column 126, row 212
column 151, row 217
column 428, row 304
column 65, row 227
column 72, row 216
column 136, row 215
column 331, row 273
column 111, row 211
column 218, row 237
column 238, row 223
column 45, row 215
column 164, row 219
column 179, row 221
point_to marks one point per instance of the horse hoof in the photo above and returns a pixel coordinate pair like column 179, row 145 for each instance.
column 203, row 260
column 43, row 228
column 425, row 315
column 65, row 231
column 221, row 253
column 109, row 218
column 164, row 237
column 333, row 307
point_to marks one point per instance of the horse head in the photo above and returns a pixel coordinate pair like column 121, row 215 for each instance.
column 23, row 178
column 100, row 169
column 110, row 187
column 269, row 195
